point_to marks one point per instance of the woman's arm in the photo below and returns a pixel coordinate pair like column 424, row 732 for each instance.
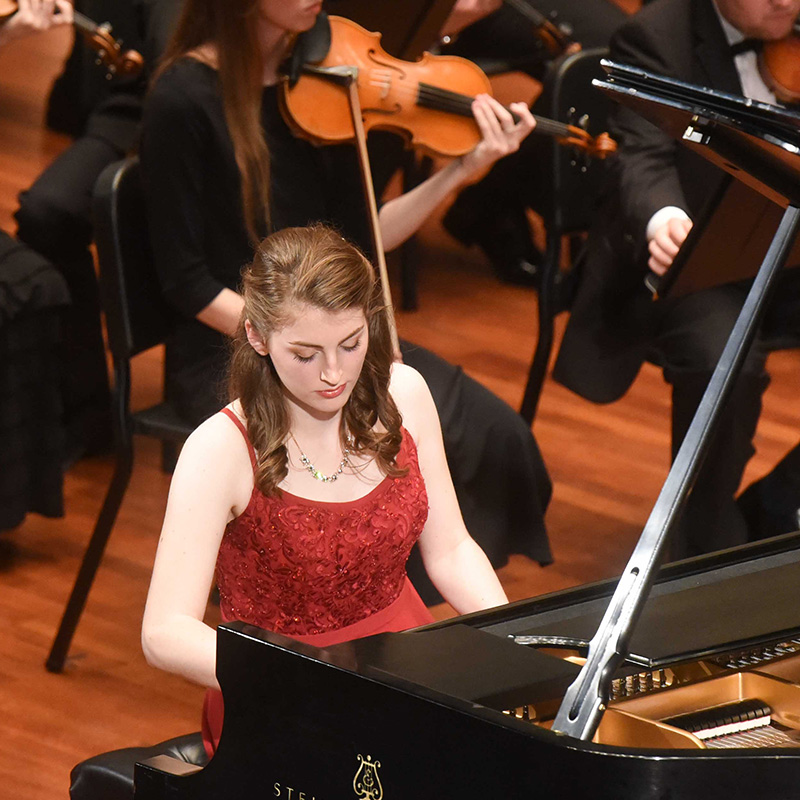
column 223, row 312
column 209, row 486
column 453, row 560
column 177, row 140
column 401, row 218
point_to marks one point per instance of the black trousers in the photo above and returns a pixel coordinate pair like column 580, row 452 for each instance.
column 54, row 219
column 689, row 341
column 32, row 299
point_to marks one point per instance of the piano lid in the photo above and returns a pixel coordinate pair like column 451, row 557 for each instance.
column 498, row 674
column 756, row 142
column 738, row 612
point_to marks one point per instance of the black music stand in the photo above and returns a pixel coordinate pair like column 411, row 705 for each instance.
column 727, row 242
column 733, row 231
column 759, row 145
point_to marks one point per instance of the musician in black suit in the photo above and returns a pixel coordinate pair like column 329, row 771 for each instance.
column 657, row 188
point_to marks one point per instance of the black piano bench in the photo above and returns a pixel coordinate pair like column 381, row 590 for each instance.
column 109, row 776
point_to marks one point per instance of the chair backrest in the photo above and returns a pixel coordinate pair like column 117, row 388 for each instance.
column 568, row 96
column 137, row 316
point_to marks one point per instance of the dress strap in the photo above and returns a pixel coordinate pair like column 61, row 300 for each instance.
column 238, row 423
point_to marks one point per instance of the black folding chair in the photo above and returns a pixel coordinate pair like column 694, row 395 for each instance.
column 137, row 318
column 575, row 178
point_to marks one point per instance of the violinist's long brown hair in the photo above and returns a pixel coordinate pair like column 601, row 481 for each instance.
column 313, row 267
column 231, row 26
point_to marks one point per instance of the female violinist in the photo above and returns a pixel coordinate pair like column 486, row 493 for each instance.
column 217, row 157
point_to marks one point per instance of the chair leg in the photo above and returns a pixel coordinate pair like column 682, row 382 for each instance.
column 123, row 445
column 91, row 561
column 544, row 344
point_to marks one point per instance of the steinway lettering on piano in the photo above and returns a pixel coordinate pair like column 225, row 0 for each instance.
column 290, row 793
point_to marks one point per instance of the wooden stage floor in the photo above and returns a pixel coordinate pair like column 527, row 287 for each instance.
column 607, row 464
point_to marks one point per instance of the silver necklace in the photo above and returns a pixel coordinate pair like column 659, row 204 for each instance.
column 345, row 462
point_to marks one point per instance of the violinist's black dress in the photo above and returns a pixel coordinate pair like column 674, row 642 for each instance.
column 200, row 243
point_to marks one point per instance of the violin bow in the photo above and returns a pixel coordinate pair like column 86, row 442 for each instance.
column 372, row 206
column 348, row 76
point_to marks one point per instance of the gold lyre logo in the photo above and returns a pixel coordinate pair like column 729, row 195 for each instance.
column 366, row 783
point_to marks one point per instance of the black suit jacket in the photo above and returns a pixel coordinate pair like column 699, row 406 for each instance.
column 614, row 318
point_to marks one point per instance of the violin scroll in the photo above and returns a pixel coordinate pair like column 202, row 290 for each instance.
column 109, row 50
column 600, row 146
column 556, row 38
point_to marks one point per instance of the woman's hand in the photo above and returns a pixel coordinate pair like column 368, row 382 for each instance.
column 35, row 16
column 501, row 135
column 402, row 216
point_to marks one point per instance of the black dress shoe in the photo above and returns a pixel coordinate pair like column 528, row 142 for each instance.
column 503, row 234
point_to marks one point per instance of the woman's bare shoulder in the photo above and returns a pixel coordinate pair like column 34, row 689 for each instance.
column 412, row 397
column 406, row 383
column 218, row 442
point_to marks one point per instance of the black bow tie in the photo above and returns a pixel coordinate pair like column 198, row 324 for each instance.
column 745, row 46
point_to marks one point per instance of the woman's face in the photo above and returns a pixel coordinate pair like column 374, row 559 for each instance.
column 318, row 357
column 290, row 16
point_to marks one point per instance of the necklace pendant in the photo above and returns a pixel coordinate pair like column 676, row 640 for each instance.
column 315, row 473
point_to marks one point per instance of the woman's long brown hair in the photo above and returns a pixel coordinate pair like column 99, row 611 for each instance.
column 231, row 26
column 313, row 267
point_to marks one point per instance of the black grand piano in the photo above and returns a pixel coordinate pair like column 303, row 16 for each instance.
column 606, row 691
column 459, row 710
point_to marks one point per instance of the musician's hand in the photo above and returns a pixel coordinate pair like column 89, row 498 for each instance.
column 666, row 242
column 500, row 134
column 34, row 16
column 465, row 12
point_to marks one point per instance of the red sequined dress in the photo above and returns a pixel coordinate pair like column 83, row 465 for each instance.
column 322, row 572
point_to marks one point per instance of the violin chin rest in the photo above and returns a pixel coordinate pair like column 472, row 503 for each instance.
column 311, row 47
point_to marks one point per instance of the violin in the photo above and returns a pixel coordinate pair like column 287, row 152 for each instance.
column 109, row 50
column 779, row 64
column 428, row 101
column 557, row 39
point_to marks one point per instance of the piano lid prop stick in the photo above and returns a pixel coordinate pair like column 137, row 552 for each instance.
column 585, row 700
